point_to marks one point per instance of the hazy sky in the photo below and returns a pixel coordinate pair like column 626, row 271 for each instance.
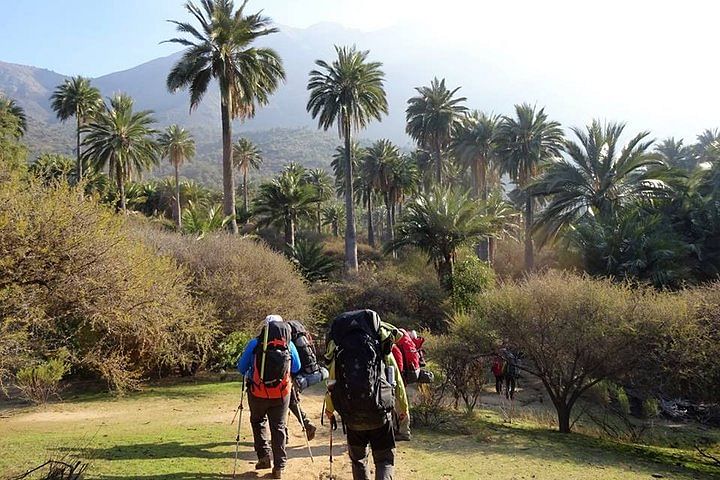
column 654, row 63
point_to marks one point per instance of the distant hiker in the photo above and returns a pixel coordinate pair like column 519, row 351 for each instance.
column 363, row 385
column 510, row 372
column 410, row 356
column 497, row 369
column 424, row 375
column 268, row 362
column 310, row 373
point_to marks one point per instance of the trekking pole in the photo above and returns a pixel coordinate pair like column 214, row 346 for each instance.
column 333, row 426
column 237, row 438
column 307, row 442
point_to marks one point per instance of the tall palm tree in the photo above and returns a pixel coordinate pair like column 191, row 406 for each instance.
column 349, row 93
column 246, row 156
column 525, row 142
column 222, row 49
column 432, row 115
column 283, row 202
column 597, row 179
column 675, row 154
column 474, row 144
column 439, row 223
column 321, row 184
column 177, row 145
column 379, row 165
column 76, row 98
column 12, row 117
column 122, row 140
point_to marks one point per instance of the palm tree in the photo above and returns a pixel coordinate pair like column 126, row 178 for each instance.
column 52, row 167
column 202, row 218
column 177, row 145
column 525, row 142
column 246, row 156
column 439, row 223
column 474, row 144
column 12, row 117
column 378, row 168
column 76, row 98
column 283, row 202
column 675, row 154
column 597, row 179
column 222, row 49
column 121, row 140
column 349, row 92
column 431, row 118
column 321, row 184
column 334, row 215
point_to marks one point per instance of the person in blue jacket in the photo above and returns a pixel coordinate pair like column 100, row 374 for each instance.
column 269, row 404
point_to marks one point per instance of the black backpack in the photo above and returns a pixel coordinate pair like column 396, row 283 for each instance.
column 305, row 348
column 275, row 379
column 362, row 393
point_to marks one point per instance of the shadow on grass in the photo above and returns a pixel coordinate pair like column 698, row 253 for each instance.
column 490, row 438
column 166, row 450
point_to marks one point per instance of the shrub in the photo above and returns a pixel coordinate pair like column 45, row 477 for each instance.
column 400, row 298
column 41, row 381
column 243, row 278
column 574, row 331
column 72, row 277
column 229, row 350
column 472, row 276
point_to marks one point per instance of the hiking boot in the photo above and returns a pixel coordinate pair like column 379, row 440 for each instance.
column 310, row 431
column 277, row 473
column 263, row 463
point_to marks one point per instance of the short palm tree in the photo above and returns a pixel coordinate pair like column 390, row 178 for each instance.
column 222, row 49
column 524, row 142
column 52, row 167
column 432, row 115
column 348, row 93
column 12, row 117
column 675, row 154
column 76, row 98
column 596, row 179
column 283, row 202
column 334, row 215
column 177, row 146
column 439, row 223
column 246, row 156
column 121, row 140
column 202, row 218
column 321, row 184
column 378, row 168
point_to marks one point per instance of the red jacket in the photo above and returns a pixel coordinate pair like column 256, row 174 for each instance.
column 410, row 355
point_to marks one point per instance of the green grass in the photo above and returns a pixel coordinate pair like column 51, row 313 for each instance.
column 183, row 431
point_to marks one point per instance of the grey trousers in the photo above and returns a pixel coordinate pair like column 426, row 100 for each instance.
column 382, row 443
column 274, row 411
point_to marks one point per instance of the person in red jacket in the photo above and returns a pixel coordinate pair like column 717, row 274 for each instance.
column 411, row 358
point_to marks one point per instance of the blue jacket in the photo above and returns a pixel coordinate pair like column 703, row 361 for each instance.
column 245, row 363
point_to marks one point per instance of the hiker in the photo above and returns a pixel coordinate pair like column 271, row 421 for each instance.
column 497, row 368
column 363, row 386
column 267, row 363
column 310, row 373
column 510, row 372
column 424, row 375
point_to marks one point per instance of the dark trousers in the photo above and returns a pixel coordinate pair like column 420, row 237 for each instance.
column 510, row 387
column 274, row 411
column 382, row 443
column 295, row 408
column 498, row 384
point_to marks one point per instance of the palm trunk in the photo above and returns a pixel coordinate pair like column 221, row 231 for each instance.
column 529, row 253
column 351, row 262
column 438, row 162
column 79, row 157
column 121, row 186
column 319, row 218
column 371, row 227
column 388, row 220
column 336, row 229
column 483, row 246
column 178, row 209
column 245, row 192
column 228, row 184
column 290, row 232
column 446, row 269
